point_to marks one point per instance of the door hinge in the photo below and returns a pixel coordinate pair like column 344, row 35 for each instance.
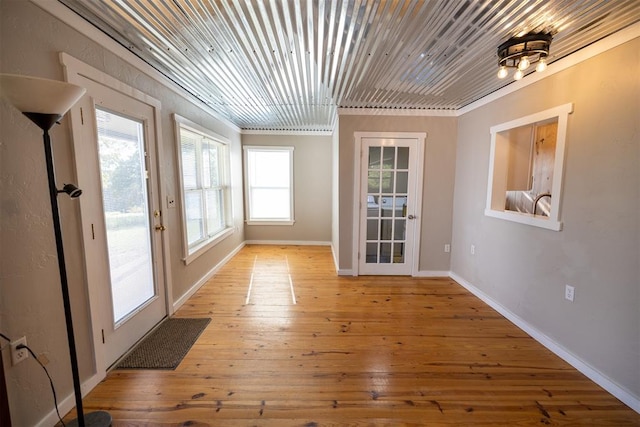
column 102, row 336
column 93, row 232
column 81, row 116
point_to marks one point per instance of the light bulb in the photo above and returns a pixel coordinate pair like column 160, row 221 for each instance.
column 502, row 72
column 542, row 65
column 518, row 75
column 524, row 63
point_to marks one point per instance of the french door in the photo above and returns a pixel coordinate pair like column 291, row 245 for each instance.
column 389, row 204
column 121, row 217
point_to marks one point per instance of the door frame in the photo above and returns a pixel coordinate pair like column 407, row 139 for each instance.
column 357, row 204
column 75, row 70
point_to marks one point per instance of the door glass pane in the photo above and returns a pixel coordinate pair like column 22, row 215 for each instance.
column 372, row 229
column 373, row 208
column 398, row 252
column 402, row 182
column 388, row 157
column 403, row 158
column 385, row 253
column 399, row 230
column 387, row 182
column 372, row 253
column 373, row 182
column 124, row 193
column 374, row 157
column 385, row 230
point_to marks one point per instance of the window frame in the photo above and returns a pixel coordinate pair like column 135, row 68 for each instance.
column 264, row 221
column 496, row 186
column 193, row 251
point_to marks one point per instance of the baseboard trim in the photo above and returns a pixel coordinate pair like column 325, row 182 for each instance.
column 345, row 272
column 593, row 374
column 432, row 273
column 185, row 297
column 288, row 242
column 335, row 258
column 69, row 402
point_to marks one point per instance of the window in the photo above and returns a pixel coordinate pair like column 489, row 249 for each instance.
column 269, row 185
column 525, row 171
column 204, row 179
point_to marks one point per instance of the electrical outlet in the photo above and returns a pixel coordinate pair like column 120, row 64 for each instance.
column 18, row 354
column 473, row 249
column 569, row 292
column 447, row 248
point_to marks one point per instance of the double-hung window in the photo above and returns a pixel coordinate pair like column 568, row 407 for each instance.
column 204, row 176
column 269, row 184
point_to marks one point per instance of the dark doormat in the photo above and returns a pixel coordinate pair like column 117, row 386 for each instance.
column 165, row 347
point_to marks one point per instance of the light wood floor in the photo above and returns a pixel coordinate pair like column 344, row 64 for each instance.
column 351, row 351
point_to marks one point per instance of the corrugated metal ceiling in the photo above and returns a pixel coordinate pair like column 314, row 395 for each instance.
column 288, row 64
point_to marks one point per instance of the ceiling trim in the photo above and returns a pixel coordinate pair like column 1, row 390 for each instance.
column 287, row 132
column 421, row 112
column 67, row 16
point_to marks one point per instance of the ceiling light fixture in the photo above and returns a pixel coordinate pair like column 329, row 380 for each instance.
column 522, row 52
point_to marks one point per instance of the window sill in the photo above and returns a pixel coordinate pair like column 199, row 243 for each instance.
column 205, row 246
column 271, row 222
column 528, row 219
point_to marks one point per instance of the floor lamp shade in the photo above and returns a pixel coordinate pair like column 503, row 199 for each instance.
column 36, row 95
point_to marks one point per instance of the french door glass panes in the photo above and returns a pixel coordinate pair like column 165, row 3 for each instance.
column 387, row 191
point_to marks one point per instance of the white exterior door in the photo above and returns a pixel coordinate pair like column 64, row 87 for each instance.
column 389, row 203
column 121, row 217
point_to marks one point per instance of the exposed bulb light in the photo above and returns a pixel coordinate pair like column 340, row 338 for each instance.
column 524, row 63
column 542, row 65
column 523, row 51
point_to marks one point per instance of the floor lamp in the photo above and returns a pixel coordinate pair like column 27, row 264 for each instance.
column 44, row 102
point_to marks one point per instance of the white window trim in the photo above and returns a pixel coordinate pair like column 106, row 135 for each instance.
column 249, row 221
column 495, row 195
column 203, row 247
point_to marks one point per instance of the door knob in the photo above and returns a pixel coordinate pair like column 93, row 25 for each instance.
column 160, row 227
column 411, row 217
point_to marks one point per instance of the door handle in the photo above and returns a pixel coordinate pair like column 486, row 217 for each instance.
column 160, row 227
column 411, row 217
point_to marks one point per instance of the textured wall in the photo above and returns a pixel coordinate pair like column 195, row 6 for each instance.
column 30, row 301
column 525, row 268
column 437, row 187
column 312, row 189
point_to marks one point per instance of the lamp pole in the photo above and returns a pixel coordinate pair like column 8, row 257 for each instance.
column 55, row 212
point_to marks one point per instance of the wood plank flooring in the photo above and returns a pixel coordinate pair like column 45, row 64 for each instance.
column 366, row 351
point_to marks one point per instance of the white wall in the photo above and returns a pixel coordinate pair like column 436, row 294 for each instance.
column 524, row 268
